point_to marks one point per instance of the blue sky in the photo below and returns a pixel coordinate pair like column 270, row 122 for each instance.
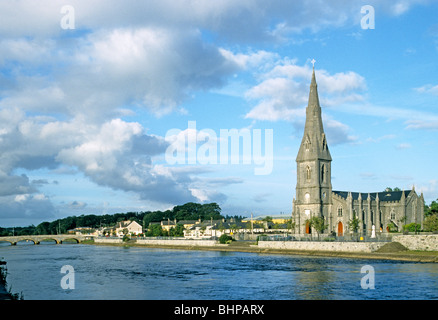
column 86, row 109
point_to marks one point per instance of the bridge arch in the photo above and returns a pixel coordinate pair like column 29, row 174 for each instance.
column 26, row 240
column 69, row 240
column 49, row 239
column 36, row 239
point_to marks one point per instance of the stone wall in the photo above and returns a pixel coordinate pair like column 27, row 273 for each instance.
column 418, row 242
column 182, row 242
column 108, row 240
column 322, row 246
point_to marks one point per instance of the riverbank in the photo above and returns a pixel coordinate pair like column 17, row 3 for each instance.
column 241, row 246
column 4, row 293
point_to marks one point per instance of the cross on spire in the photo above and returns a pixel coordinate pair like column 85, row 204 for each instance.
column 313, row 62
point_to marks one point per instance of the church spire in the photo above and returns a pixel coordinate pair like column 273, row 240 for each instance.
column 314, row 143
column 314, row 187
column 313, row 94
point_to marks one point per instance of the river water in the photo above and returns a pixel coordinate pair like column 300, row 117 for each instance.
column 104, row 272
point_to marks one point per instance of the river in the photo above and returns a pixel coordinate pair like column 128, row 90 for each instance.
column 105, row 272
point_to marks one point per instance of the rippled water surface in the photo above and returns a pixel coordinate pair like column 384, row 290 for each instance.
column 102, row 272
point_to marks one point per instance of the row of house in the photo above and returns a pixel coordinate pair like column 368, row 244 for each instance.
column 216, row 228
column 194, row 229
column 119, row 230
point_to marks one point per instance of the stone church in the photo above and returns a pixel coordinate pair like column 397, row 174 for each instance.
column 377, row 212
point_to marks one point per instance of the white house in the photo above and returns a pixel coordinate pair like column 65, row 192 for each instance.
column 129, row 227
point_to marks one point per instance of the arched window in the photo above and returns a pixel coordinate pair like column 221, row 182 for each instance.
column 324, row 142
column 340, row 212
column 307, row 144
column 322, row 173
column 392, row 215
column 308, row 172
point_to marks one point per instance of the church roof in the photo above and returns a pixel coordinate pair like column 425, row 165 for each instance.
column 383, row 196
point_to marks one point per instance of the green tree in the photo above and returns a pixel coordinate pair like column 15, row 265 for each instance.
column 432, row 209
column 194, row 211
column 155, row 230
column 412, row 227
column 290, row 224
column 431, row 223
column 178, row 231
column 43, row 228
column 389, row 189
column 318, row 223
column 223, row 239
column 353, row 224
column 392, row 227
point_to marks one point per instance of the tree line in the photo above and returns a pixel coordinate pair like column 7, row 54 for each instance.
column 188, row 211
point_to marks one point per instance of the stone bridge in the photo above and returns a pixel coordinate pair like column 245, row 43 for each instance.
column 36, row 239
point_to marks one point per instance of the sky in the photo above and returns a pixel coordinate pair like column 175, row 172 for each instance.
column 116, row 106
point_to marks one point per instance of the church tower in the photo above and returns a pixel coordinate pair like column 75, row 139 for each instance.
column 314, row 187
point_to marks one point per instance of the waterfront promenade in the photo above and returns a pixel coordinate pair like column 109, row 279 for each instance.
column 423, row 249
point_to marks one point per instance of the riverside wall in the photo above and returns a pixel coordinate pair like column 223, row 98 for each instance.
column 360, row 247
column 178, row 242
column 418, row 242
column 108, row 240
column 411, row 242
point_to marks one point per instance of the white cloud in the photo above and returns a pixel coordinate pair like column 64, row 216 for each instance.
column 26, row 209
column 283, row 94
column 285, row 88
column 63, row 92
column 400, row 7
column 253, row 60
column 423, row 124
column 428, row 89
column 429, row 189
column 97, row 74
column 404, row 146
column 256, row 20
column 337, row 132
column 77, row 204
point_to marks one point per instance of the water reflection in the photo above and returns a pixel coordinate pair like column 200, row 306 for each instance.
column 141, row 273
column 312, row 281
column 24, row 243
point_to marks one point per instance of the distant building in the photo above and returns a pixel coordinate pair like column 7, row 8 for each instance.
column 276, row 218
column 82, row 230
column 216, row 228
column 170, row 224
column 129, row 227
column 315, row 198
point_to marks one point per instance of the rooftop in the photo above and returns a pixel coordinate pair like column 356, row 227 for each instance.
column 383, row 196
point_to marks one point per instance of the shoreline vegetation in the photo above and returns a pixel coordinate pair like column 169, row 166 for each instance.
column 6, row 294
column 388, row 253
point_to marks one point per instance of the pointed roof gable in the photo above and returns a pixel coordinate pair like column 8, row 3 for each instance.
column 381, row 196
